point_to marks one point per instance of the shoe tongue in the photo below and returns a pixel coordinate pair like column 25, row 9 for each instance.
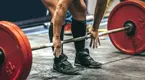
column 61, row 58
column 83, row 53
column 66, row 63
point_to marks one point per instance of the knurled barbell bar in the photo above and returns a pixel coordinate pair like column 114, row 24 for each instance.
column 127, row 21
column 82, row 38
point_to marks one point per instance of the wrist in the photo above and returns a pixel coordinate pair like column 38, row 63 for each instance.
column 56, row 37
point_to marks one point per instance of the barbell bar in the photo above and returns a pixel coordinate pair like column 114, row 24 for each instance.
column 82, row 38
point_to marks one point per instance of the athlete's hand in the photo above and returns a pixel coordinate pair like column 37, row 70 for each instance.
column 94, row 37
column 57, row 46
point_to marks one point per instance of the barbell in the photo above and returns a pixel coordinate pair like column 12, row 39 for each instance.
column 126, row 24
column 16, row 53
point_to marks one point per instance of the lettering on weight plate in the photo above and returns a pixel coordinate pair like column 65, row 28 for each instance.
column 142, row 21
column 10, row 68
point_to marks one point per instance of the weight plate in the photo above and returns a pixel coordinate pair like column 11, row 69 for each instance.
column 15, row 50
column 133, row 11
column 28, row 54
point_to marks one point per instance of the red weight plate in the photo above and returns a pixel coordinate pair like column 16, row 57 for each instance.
column 28, row 56
column 14, row 51
column 128, row 11
column 28, row 53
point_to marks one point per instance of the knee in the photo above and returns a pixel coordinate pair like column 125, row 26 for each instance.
column 61, row 6
column 84, row 10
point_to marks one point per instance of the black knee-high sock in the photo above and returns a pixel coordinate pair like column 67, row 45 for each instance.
column 51, row 34
column 78, row 30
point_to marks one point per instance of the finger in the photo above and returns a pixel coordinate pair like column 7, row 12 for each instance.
column 60, row 51
column 90, row 43
column 93, row 43
column 99, row 42
column 57, row 52
column 54, row 53
column 96, row 44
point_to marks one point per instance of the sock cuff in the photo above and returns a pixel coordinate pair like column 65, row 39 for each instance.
column 51, row 24
column 79, row 21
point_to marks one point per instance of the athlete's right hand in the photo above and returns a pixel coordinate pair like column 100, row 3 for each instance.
column 57, row 46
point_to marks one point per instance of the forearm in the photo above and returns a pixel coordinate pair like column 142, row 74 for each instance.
column 58, row 19
column 99, row 12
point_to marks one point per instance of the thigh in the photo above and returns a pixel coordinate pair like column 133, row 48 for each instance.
column 78, row 9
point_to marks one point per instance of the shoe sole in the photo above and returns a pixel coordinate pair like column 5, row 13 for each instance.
column 74, row 73
column 79, row 65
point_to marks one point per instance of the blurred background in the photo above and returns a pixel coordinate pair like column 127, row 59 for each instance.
column 32, row 13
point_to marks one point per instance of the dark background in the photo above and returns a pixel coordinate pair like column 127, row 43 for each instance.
column 18, row 10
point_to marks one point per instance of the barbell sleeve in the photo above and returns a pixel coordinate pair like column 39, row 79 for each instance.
column 81, row 38
column 2, row 57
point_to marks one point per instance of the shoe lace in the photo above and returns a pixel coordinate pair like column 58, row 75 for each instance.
column 66, row 65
